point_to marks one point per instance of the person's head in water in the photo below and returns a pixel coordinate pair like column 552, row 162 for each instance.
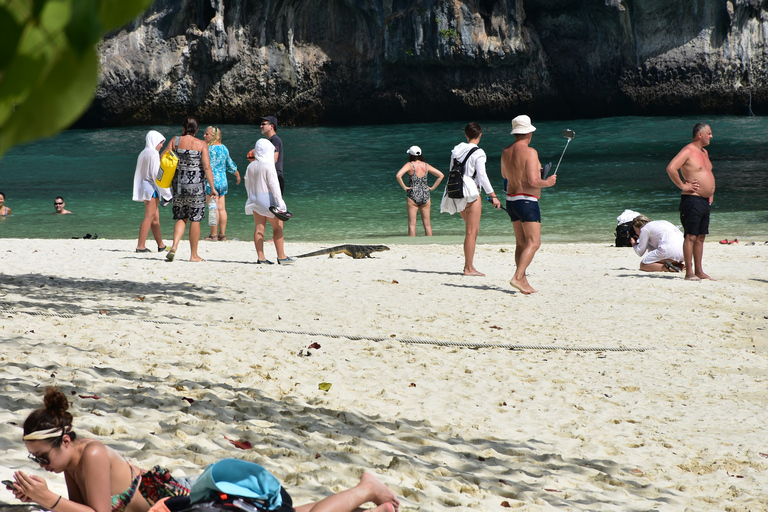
column 473, row 131
column 59, row 204
column 190, row 126
column 48, row 433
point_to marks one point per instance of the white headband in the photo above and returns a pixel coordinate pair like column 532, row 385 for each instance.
column 39, row 435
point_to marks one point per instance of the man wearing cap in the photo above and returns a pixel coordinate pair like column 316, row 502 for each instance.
column 269, row 130
column 521, row 167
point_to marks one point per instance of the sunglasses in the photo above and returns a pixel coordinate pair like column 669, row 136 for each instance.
column 58, row 204
column 43, row 460
column 265, row 123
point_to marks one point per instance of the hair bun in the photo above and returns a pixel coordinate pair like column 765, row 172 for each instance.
column 55, row 401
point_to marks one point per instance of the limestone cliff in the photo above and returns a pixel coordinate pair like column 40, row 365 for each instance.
column 373, row 61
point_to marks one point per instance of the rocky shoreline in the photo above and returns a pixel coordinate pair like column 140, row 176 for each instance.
column 351, row 62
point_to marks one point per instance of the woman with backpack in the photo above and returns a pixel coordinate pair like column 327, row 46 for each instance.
column 469, row 156
column 418, row 189
column 99, row 479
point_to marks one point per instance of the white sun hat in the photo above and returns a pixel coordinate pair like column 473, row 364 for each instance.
column 522, row 125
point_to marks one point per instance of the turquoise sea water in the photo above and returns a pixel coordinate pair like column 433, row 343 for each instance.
column 341, row 180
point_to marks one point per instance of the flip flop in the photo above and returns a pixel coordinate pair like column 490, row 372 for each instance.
column 671, row 267
column 222, row 238
column 280, row 214
column 143, row 250
column 474, row 273
column 209, row 237
column 170, row 255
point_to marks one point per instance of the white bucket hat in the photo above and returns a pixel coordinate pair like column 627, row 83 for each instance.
column 522, row 125
column 414, row 150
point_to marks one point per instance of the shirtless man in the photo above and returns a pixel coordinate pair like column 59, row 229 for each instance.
column 698, row 186
column 58, row 205
column 521, row 167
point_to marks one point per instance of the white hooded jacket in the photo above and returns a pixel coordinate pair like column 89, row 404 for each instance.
column 261, row 181
column 475, row 167
column 147, row 167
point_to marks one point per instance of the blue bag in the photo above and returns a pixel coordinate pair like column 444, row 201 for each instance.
column 236, row 477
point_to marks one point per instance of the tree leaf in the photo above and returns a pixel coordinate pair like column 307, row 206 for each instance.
column 84, row 29
column 55, row 15
column 55, row 102
column 10, row 33
column 116, row 13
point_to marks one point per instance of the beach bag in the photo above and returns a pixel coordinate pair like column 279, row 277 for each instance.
column 168, row 164
column 235, row 478
column 454, row 187
column 624, row 234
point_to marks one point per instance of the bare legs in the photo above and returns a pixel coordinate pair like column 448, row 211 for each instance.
column 424, row 210
column 471, row 215
column 413, row 208
column 693, row 249
column 194, row 237
column 277, row 235
column 221, row 204
column 659, row 266
column 527, row 242
column 151, row 221
column 219, row 231
column 370, row 489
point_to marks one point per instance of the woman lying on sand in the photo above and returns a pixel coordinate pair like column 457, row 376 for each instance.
column 101, row 480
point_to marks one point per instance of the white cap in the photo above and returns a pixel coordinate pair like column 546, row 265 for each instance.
column 522, row 125
column 414, row 150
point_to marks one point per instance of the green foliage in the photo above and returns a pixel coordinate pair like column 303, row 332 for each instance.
column 49, row 67
column 409, row 52
column 449, row 33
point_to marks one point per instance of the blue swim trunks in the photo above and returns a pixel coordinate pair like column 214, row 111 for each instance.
column 523, row 208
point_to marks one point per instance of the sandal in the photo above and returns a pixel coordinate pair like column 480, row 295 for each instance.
column 209, row 237
column 222, row 238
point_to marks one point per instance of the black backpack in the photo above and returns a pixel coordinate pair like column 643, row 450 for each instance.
column 455, row 184
column 226, row 503
column 624, row 233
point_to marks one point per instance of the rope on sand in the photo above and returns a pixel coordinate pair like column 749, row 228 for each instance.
column 100, row 316
column 465, row 344
column 36, row 313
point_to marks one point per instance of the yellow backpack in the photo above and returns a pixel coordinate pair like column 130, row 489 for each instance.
column 168, row 163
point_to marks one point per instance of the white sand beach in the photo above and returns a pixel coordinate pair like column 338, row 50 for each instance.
column 184, row 356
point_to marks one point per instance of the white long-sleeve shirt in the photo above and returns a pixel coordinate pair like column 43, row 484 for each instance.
column 663, row 241
column 475, row 167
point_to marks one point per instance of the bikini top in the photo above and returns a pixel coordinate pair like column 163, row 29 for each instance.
column 121, row 501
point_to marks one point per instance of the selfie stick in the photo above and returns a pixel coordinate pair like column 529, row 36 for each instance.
column 561, row 156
